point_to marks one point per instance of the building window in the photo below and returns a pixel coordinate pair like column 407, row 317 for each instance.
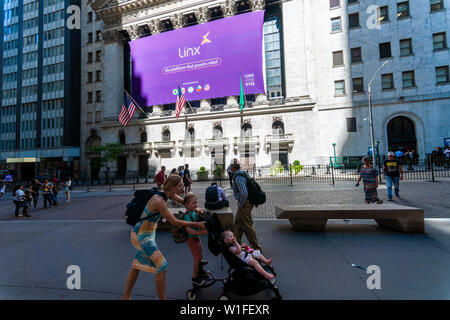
column 89, row 117
column 439, row 41
column 97, row 35
column 277, row 128
column 385, row 50
column 89, row 97
column 273, row 49
column 352, row 1
column 409, row 80
column 351, row 124
column 338, row 58
column 436, row 5
column 358, row 85
column 403, row 10
column 89, row 57
column 89, row 77
column 166, row 135
column 406, row 47
column 98, row 75
column 89, row 37
column 144, row 136
column 190, row 134
column 339, row 88
column 384, row 14
column 98, row 116
column 442, row 75
column 387, row 81
column 217, row 132
column 98, row 96
column 122, row 139
column 335, row 4
column 98, row 56
column 353, row 20
column 247, row 130
column 89, row 17
column 356, row 55
column 336, row 25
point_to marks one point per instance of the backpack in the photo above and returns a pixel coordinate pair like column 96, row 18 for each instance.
column 255, row 194
column 138, row 204
column 212, row 194
column 179, row 234
column 215, row 230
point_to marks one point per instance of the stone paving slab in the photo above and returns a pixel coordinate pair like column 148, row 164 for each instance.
column 309, row 265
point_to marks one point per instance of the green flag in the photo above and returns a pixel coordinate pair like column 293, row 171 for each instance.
column 241, row 95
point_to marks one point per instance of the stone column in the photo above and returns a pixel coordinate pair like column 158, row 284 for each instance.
column 232, row 102
column 205, row 105
column 256, row 5
column 202, row 15
column 261, row 100
column 113, row 78
column 229, row 8
column 157, row 110
column 177, row 21
column 155, row 26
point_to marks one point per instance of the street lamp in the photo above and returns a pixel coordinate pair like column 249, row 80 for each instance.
column 334, row 149
column 370, row 111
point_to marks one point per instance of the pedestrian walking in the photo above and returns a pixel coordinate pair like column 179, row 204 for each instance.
column 55, row 190
column 173, row 172
column 369, row 174
column 447, row 156
column 46, row 190
column 393, row 171
column 35, row 187
column 20, row 201
column 187, row 181
column 148, row 257
column 230, row 176
column 243, row 222
column 67, row 187
column 160, row 177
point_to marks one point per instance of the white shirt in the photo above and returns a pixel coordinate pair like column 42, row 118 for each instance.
column 20, row 194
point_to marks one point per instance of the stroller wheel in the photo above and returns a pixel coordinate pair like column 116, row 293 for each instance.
column 191, row 295
column 223, row 297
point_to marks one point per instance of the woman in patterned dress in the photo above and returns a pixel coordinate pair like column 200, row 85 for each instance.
column 148, row 257
column 369, row 175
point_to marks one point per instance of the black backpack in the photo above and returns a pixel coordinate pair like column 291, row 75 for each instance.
column 255, row 194
column 212, row 194
column 137, row 205
column 179, row 234
column 215, row 230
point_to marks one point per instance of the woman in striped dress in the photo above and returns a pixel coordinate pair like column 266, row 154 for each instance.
column 148, row 257
column 369, row 175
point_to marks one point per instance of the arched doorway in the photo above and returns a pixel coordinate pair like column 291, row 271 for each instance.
column 401, row 134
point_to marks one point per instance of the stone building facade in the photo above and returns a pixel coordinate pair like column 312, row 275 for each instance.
column 319, row 58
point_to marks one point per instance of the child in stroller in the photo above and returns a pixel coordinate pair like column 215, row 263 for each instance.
column 241, row 281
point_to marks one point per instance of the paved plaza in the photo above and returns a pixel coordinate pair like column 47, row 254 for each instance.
column 89, row 232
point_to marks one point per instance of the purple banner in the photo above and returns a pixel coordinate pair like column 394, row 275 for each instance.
column 206, row 60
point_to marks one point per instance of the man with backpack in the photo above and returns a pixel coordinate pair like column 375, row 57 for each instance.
column 215, row 197
column 243, row 223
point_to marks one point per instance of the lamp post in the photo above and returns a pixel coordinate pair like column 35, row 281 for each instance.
column 334, row 149
column 372, row 138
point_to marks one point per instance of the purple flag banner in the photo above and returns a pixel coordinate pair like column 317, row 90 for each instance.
column 206, row 60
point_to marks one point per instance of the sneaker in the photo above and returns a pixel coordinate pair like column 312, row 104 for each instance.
column 397, row 195
column 198, row 281
column 389, row 199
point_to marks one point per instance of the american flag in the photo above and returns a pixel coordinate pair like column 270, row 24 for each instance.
column 127, row 111
column 181, row 99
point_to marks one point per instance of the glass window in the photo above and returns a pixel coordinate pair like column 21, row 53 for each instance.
column 442, row 75
column 406, row 47
column 439, row 41
column 384, row 14
column 353, row 20
column 334, row 3
column 336, row 24
column 387, row 81
column 358, row 85
column 338, row 58
column 339, row 88
column 403, row 10
column 436, row 5
column 273, row 54
column 408, row 79
column 385, row 50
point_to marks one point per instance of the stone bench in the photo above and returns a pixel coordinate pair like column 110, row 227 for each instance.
column 226, row 217
column 314, row 218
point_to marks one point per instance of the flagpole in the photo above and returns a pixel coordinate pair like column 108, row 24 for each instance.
column 242, row 109
column 129, row 96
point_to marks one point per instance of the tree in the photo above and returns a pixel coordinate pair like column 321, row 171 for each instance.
column 108, row 153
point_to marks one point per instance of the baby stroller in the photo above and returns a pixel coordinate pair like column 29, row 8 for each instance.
column 241, row 282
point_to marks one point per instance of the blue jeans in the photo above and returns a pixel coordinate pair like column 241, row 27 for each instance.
column 396, row 182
